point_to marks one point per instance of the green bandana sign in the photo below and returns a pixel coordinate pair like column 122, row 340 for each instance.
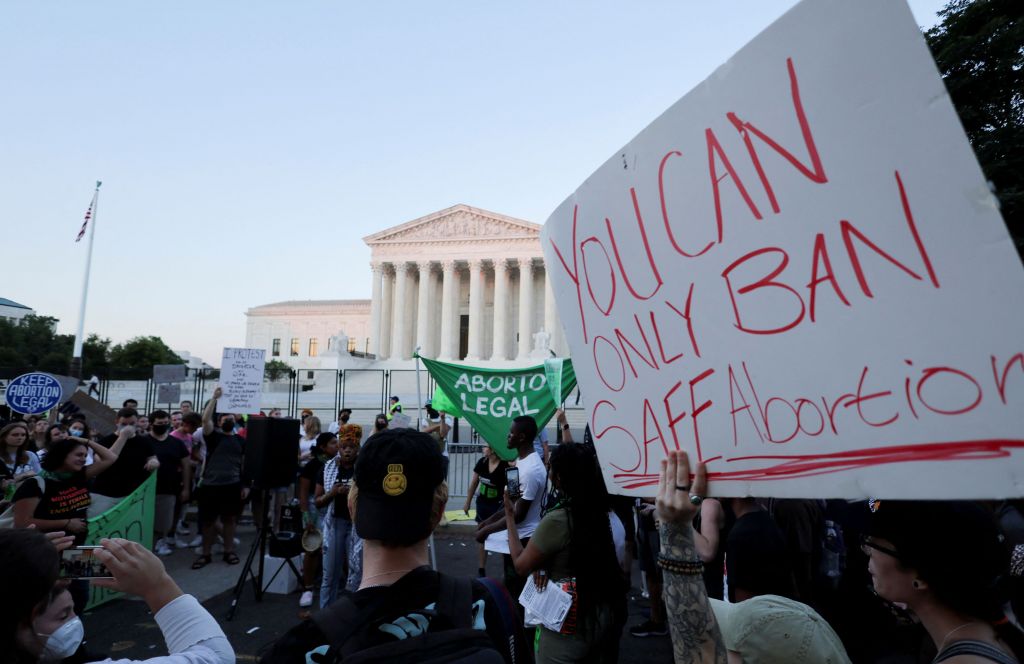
column 131, row 519
column 489, row 399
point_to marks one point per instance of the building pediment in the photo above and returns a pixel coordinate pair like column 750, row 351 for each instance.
column 460, row 223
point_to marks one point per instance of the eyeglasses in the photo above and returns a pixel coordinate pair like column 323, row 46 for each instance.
column 866, row 544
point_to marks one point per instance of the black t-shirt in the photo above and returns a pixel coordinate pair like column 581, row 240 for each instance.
column 169, row 452
column 384, row 604
column 492, row 485
column 63, row 498
column 755, row 552
column 314, row 472
column 127, row 473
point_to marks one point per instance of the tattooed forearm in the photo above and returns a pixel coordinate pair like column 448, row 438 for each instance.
column 695, row 634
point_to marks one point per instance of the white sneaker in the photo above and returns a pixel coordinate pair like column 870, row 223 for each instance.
column 306, row 599
column 181, row 543
column 182, row 528
column 162, row 549
column 196, row 541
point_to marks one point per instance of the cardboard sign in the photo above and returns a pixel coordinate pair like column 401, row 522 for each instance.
column 241, row 379
column 168, row 373
column 101, row 418
column 798, row 275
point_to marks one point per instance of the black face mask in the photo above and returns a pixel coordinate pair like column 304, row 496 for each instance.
column 161, row 429
column 228, row 426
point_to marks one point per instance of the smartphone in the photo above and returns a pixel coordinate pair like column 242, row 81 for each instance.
column 80, row 562
column 512, row 481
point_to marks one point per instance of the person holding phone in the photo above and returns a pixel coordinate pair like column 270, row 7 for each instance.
column 332, row 496
column 38, row 622
column 532, row 480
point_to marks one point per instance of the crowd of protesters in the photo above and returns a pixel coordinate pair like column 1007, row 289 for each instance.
column 729, row 579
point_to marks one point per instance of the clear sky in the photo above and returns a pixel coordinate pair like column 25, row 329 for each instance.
column 246, row 147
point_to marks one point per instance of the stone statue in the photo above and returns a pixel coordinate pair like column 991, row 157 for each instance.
column 541, row 343
column 338, row 344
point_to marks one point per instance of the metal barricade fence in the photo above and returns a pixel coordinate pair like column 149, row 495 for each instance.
column 325, row 392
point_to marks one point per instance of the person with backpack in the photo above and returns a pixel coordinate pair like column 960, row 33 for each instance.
column 404, row 610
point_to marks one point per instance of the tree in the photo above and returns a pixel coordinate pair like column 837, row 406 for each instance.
column 31, row 343
column 142, row 353
column 276, row 370
column 979, row 49
column 95, row 356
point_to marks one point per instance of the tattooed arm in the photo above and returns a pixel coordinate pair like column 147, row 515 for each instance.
column 696, row 638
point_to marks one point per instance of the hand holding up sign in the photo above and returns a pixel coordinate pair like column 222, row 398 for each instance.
column 678, row 501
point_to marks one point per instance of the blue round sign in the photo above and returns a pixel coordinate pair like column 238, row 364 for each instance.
column 33, row 393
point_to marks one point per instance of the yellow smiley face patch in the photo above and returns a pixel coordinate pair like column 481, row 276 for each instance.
column 395, row 482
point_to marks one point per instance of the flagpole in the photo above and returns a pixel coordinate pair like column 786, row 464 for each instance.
column 76, row 355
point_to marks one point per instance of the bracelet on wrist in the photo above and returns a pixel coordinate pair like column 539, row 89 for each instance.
column 687, row 567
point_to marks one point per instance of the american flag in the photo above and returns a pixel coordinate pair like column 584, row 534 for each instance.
column 88, row 216
column 88, row 213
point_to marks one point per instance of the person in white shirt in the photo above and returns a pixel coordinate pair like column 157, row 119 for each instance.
column 38, row 621
column 533, row 480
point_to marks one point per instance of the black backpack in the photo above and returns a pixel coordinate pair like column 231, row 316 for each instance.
column 461, row 643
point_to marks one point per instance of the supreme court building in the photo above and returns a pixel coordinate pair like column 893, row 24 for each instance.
column 459, row 284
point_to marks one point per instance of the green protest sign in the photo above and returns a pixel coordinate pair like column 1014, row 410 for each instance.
column 489, row 399
column 130, row 519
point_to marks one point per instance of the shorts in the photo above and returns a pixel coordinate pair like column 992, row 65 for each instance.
column 163, row 514
column 485, row 508
column 219, row 501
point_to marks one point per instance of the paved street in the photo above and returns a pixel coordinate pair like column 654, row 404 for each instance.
column 126, row 629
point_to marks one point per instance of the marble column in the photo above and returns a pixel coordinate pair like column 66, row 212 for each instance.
column 551, row 324
column 423, row 310
column 400, row 339
column 525, row 307
column 476, row 310
column 386, row 311
column 377, row 276
column 434, row 329
column 449, row 291
column 501, row 307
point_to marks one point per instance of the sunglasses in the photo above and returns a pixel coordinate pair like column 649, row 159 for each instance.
column 866, row 544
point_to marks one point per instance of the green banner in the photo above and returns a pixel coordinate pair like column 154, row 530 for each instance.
column 489, row 399
column 130, row 519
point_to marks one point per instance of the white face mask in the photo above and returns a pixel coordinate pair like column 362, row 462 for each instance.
column 64, row 642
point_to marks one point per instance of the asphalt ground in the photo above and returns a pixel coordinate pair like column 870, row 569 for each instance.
column 126, row 629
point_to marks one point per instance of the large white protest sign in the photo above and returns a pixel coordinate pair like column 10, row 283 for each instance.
column 241, row 379
column 798, row 274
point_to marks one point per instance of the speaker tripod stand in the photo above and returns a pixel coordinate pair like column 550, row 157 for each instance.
column 259, row 546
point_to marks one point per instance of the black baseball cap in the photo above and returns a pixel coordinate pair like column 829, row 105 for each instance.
column 397, row 472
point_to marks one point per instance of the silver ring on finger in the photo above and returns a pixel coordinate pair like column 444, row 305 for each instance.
column 695, row 499
column 680, row 487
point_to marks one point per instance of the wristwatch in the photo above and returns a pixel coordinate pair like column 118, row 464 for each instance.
column 565, row 427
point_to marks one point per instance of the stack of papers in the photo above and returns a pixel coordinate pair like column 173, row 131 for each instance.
column 547, row 607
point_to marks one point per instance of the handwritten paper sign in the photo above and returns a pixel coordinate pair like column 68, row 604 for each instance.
column 241, row 379
column 798, row 274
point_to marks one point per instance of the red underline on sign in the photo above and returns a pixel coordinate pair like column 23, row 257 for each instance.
column 809, row 465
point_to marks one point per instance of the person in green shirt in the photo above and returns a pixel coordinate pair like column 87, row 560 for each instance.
column 573, row 547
